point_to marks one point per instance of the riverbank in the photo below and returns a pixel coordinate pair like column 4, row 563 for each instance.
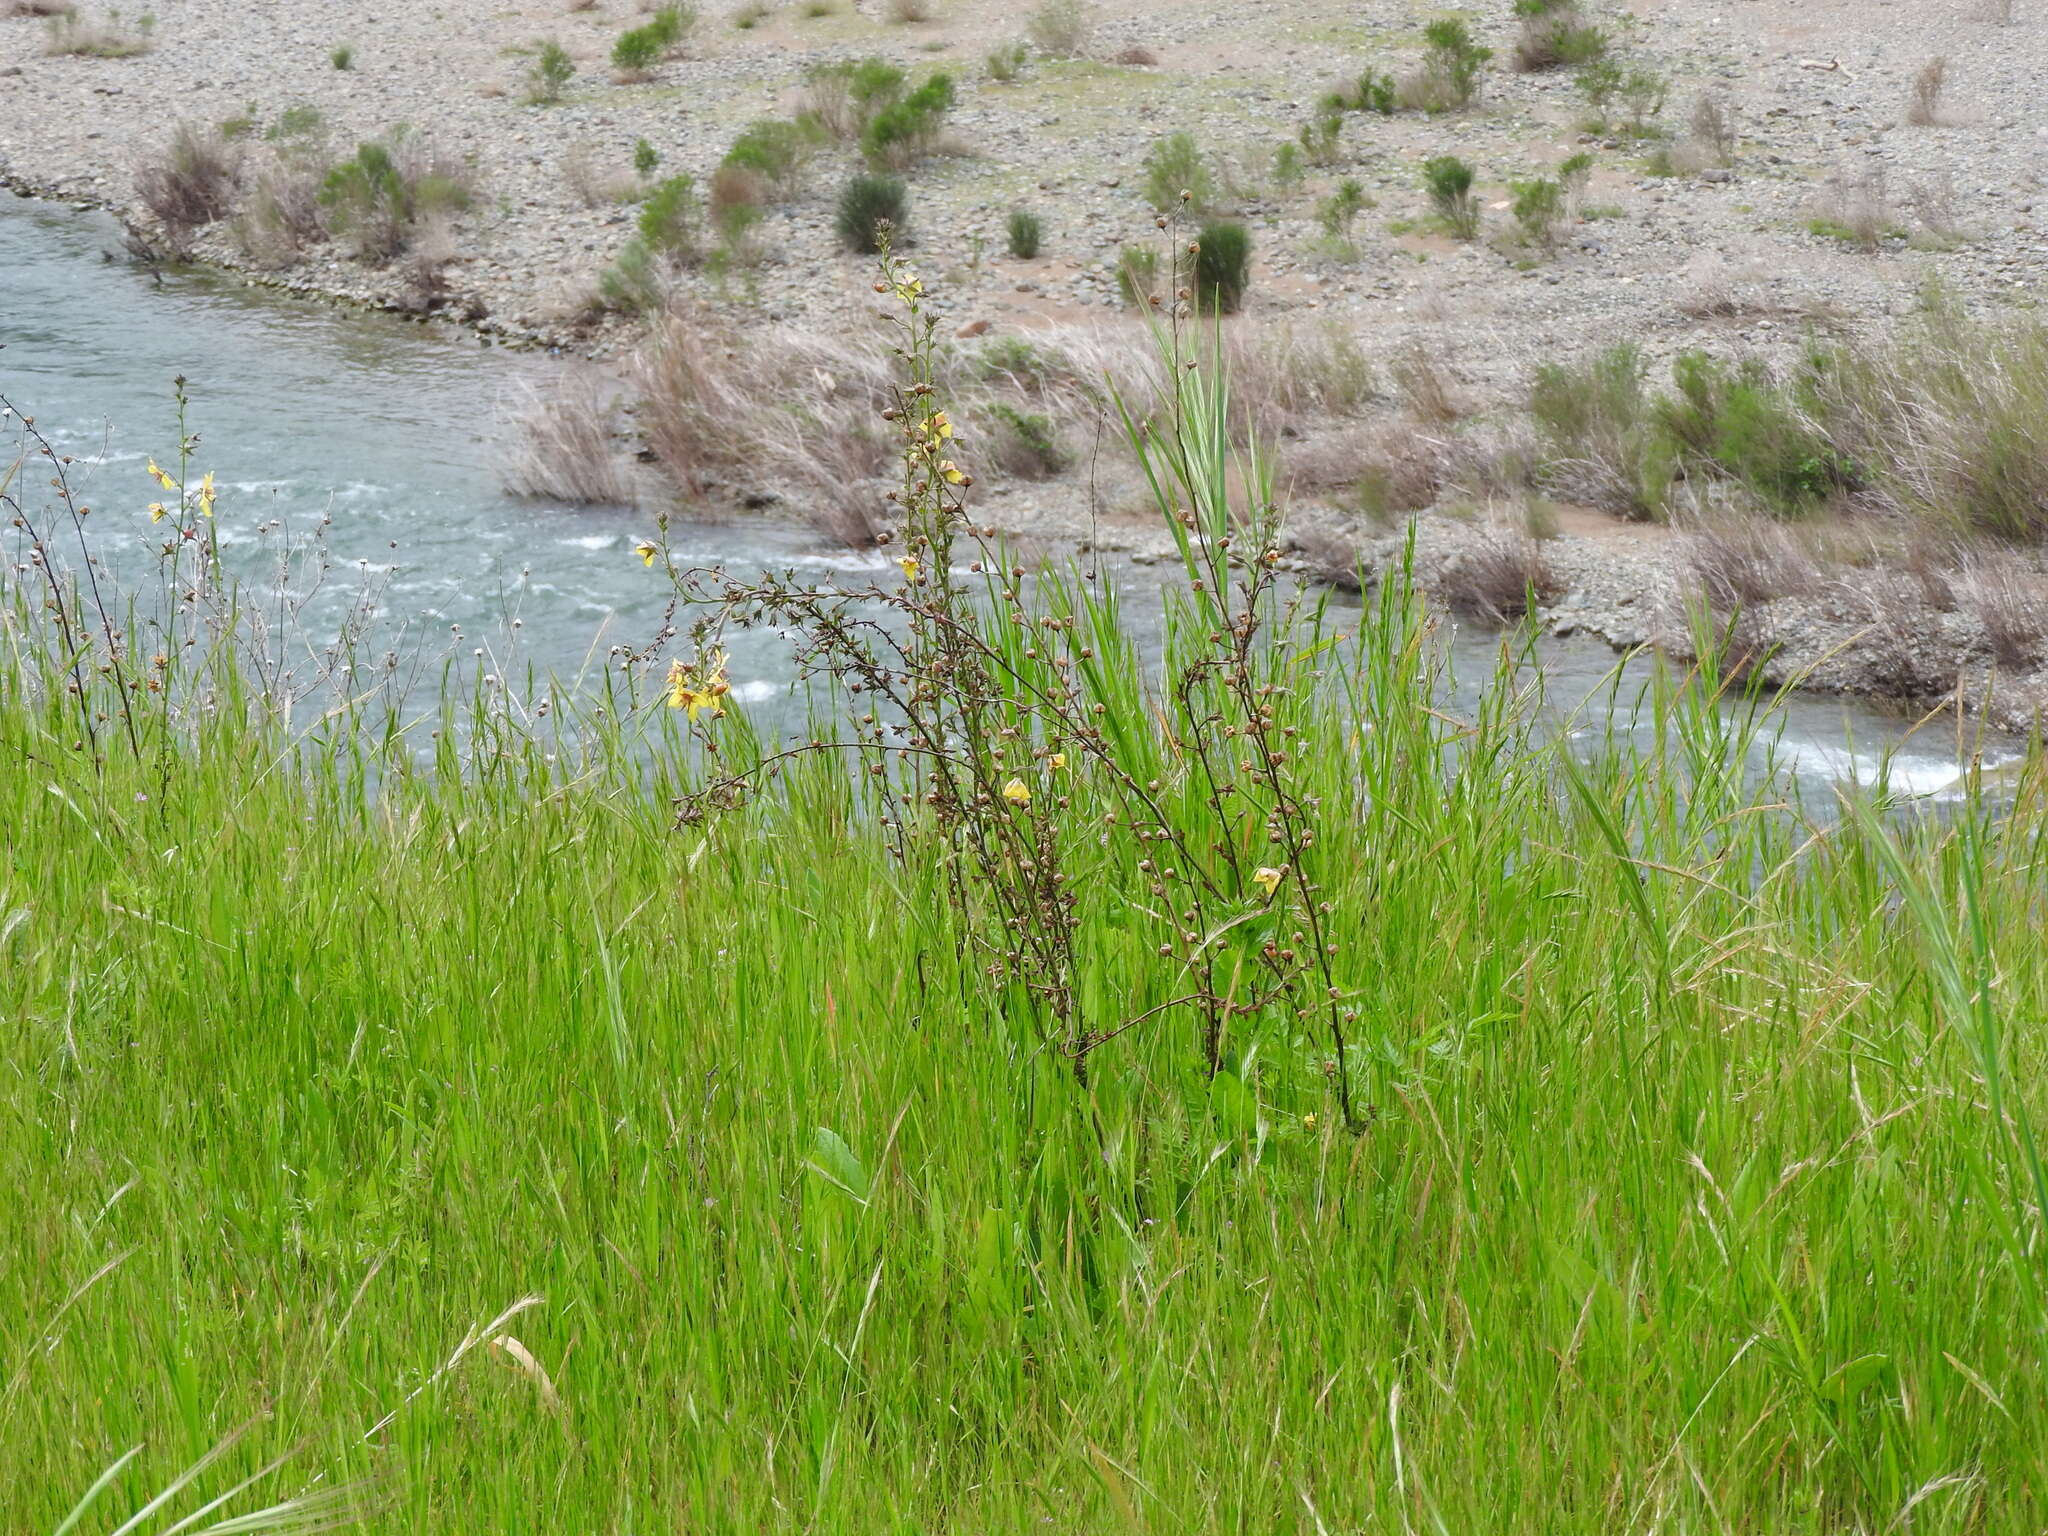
column 1731, row 258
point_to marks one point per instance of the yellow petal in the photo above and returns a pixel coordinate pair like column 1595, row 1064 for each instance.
column 1016, row 793
column 910, row 568
column 646, row 552
column 1267, row 879
column 1057, row 759
column 157, row 511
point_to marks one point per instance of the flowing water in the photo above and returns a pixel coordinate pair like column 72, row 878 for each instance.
column 396, row 432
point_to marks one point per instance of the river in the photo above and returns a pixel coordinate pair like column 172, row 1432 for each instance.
column 397, row 431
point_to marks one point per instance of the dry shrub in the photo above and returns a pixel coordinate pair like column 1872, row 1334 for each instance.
column 1900, row 655
column 1855, row 205
column 716, row 403
column 108, row 38
column 1924, row 107
column 43, row 8
column 581, row 5
column 910, row 12
column 593, row 186
column 1283, row 381
column 1744, row 564
column 1934, row 203
column 1711, row 128
column 1423, row 384
column 281, row 218
column 566, row 449
column 2012, row 605
column 191, row 181
column 423, row 272
column 1498, row 577
column 1060, row 29
column 1136, row 57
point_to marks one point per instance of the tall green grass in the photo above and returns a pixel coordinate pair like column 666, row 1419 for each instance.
column 458, row 1128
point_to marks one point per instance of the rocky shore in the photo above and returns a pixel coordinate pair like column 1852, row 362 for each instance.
column 1734, row 258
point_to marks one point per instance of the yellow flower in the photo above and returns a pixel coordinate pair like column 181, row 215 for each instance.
column 911, row 569
column 1016, row 793
column 160, row 477
column 206, row 494
column 909, row 288
column 1057, row 759
column 158, row 511
column 646, row 551
column 1267, row 879
column 1308, row 1122
column 952, row 472
column 696, row 693
column 937, row 426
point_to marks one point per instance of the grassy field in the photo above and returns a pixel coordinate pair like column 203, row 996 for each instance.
column 509, row 1158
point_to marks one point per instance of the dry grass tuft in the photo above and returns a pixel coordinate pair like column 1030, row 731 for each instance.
column 566, row 450
column 190, row 182
column 2012, row 605
column 1744, row 564
column 1423, row 383
column 107, row 38
column 1499, row 578
column 1924, row 108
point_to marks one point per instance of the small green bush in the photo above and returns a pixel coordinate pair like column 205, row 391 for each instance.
column 1337, row 212
column 1448, row 181
column 1599, row 82
column 1290, row 166
column 1223, row 266
column 842, row 97
column 632, row 284
column 771, row 148
column 1557, row 37
column 1137, row 275
column 551, row 73
column 376, row 199
column 343, row 57
column 645, row 158
column 1177, row 173
column 671, row 220
column 1374, row 93
column 671, row 24
column 637, row 51
column 869, row 208
column 1322, row 139
column 1643, row 93
column 1060, row 29
column 1006, row 63
column 1451, row 67
column 1027, row 234
column 904, row 132
column 1538, row 208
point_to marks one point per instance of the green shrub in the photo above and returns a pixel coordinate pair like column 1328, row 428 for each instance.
column 869, row 208
column 771, row 148
column 1557, row 37
column 1643, row 92
column 1592, row 421
column 905, row 131
column 1137, row 275
column 1223, row 266
column 1451, row 67
column 671, row 220
column 1743, row 425
column 1290, row 166
column 1177, row 174
column 552, row 71
column 376, row 199
column 637, row 51
column 343, row 57
column 842, row 97
column 1337, row 212
column 1321, row 139
column 1374, row 93
column 1027, row 233
column 1006, row 63
column 1538, row 207
column 632, row 284
column 1599, row 82
column 645, row 158
column 1448, row 181
column 671, row 24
